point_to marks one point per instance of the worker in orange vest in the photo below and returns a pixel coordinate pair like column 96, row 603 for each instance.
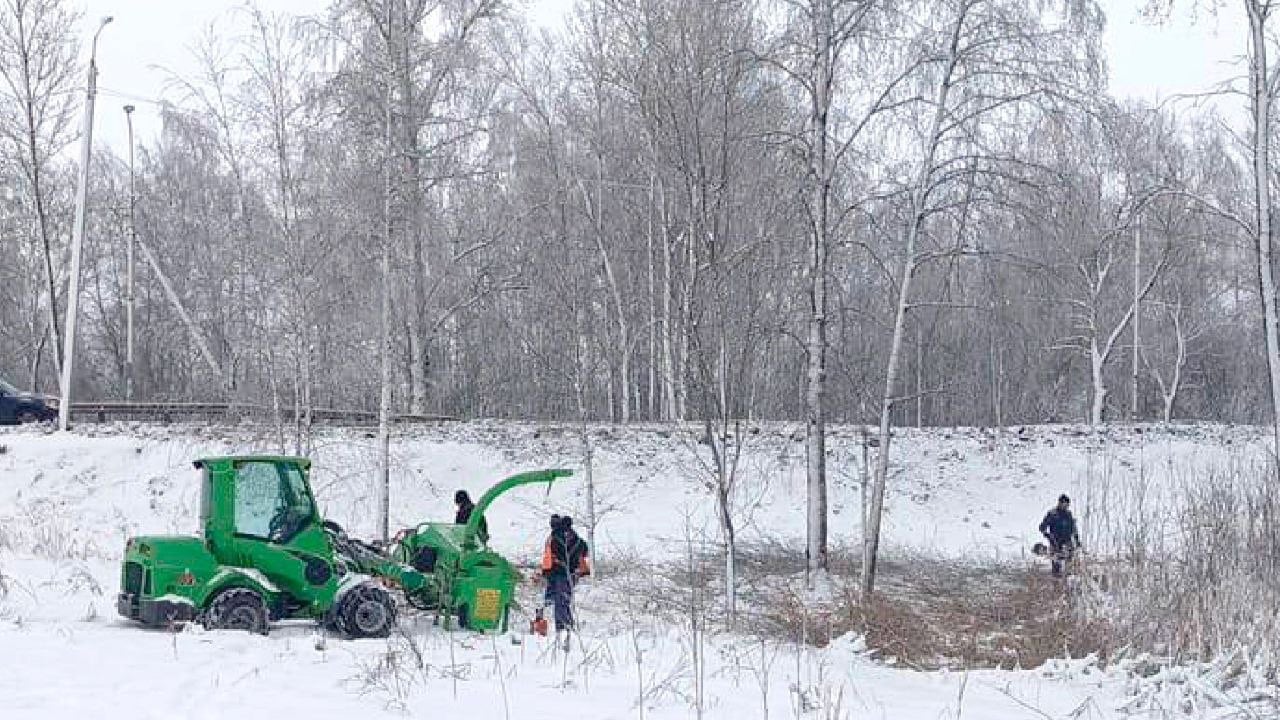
column 565, row 561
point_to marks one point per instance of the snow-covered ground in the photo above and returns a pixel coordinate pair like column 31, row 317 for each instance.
column 67, row 503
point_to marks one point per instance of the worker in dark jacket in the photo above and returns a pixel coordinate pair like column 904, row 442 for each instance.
column 564, row 563
column 1059, row 528
column 465, row 507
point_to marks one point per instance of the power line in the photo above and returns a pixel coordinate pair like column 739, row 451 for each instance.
column 130, row 96
column 166, row 105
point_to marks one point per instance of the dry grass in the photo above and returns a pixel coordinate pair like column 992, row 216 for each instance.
column 1197, row 577
column 931, row 614
column 928, row 613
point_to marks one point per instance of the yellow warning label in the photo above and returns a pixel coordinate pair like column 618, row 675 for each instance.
column 487, row 601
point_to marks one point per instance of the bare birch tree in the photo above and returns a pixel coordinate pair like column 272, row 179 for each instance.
column 1261, row 91
column 815, row 52
column 275, row 62
column 990, row 57
column 39, row 72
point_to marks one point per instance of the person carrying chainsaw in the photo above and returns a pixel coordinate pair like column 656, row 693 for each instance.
column 465, row 508
column 1059, row 528
column 565, row 561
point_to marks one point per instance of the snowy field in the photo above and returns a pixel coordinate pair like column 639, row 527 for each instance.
column 68, row 503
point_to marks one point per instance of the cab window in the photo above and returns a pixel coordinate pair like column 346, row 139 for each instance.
column 271, row 502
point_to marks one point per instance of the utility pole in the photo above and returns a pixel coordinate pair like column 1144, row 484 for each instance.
column 128, row 290
column 77, row 236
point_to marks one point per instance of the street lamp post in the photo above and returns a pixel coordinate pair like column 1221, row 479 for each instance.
column 77, row 236
column 128, row 291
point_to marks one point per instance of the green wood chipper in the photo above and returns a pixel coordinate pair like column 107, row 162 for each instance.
column 265, row 554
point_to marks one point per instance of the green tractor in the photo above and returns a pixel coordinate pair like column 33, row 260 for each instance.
column 265, row 554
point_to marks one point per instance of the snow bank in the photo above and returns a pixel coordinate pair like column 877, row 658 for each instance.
column 67, row 503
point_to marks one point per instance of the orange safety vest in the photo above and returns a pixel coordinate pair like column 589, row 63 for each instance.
column 548, row 557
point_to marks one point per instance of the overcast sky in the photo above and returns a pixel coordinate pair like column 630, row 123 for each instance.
column 151, row 38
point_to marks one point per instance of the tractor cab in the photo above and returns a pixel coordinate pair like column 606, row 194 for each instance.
column 264, row 497
column 259, row 512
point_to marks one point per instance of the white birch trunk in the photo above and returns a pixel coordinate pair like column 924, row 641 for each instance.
column 1097, row 363
column 615, row 293
column 919, row 375
column 653, row 309
column 417, row 365
column 1169, row 391
column 1137, row 316
column 410, row 108
column 31, row 103
column 297, row 396
column 875, row 513
column 382, row 483
column 1171, row 395
column 37, row 192
column 727, row 468
column 277, row 414
column 730, row 543
column 1100, row 350
column 669, row 407
column 816, row 343
column 584, row 436
column 308, row 388
column 1260, row 100
column 815, row 417
column 588, row 476
column 686, row 321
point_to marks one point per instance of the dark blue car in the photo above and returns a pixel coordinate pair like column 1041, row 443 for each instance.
column 23, row 407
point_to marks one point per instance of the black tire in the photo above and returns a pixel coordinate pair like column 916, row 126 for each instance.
column 367, row 611
column 332, row 622
column 463, row 620
column 27, row 416
column 237, row 609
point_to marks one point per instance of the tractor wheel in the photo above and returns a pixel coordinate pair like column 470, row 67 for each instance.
column 237, row 609
column 367, row 611
column 463, row 620
column 331, row 621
